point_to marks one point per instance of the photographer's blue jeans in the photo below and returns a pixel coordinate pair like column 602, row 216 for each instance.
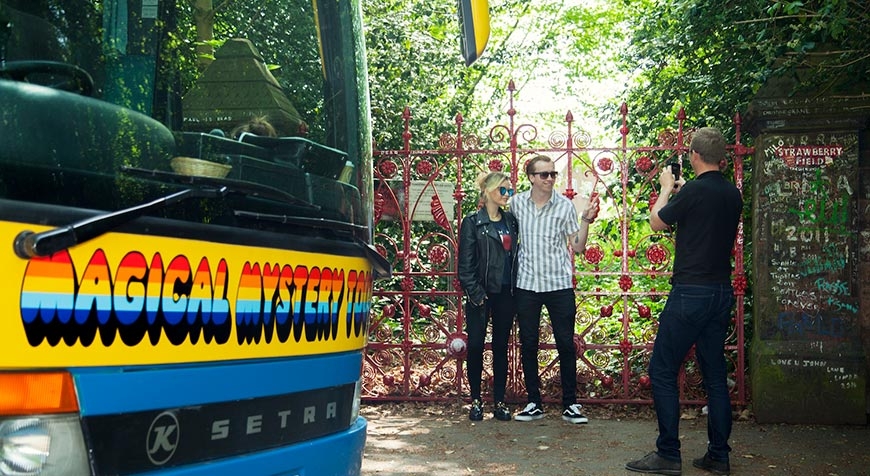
column 693, row 315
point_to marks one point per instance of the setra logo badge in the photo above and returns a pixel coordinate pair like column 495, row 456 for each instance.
column 162, row 438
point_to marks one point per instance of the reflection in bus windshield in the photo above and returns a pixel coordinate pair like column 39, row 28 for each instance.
column 185, row 198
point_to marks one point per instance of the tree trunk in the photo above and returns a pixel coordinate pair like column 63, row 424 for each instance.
column 203, row 16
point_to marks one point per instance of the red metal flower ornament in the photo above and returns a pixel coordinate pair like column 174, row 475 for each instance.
column 656, row 254
column 495, row 165
column 644, row 381
column 579, row 344
column 643, row 311
column 437, row 255
column 425, row 168
column 644, row 164
column 388, row 168
column 594, row 254
column 653, row 197
column 379, row 202
column 739, row 284
column 625, row 282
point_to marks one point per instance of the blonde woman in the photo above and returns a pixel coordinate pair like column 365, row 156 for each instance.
column 488, row 274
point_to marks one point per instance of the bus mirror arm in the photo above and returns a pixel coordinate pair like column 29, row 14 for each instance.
column 381, row 268
column 29, row 244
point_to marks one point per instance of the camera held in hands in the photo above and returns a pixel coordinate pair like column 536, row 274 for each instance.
column 675, row 169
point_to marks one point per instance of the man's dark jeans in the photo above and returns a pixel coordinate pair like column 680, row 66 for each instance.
column 693, row 315
column 562, row 310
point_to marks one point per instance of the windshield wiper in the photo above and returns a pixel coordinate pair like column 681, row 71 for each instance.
column 237, row 186
column 29, row 244
column 310, row 222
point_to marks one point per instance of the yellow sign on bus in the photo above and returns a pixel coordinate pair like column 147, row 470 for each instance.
column 135, row 300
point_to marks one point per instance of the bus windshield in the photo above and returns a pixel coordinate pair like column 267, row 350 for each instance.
column 185, row 202
column 194, row 86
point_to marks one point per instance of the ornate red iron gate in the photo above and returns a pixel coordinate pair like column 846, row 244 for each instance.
column 416, row 339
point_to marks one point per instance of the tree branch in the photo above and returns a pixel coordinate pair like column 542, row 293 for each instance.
column 856, row 60
column 784, row 17
column 825, row 53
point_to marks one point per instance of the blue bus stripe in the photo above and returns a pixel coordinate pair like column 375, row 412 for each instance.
column 108, row 390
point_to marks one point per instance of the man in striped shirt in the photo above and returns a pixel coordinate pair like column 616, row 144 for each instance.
column 549, row 230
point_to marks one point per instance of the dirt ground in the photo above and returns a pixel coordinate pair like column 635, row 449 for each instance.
column 439, row 440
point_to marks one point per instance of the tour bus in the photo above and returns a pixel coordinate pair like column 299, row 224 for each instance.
column 176, row 299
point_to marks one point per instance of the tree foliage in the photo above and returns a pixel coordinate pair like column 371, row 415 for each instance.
column 705, row 56
column 415, row 61
column 711, row 58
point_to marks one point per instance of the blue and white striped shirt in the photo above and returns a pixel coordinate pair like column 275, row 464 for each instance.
column 544, row 257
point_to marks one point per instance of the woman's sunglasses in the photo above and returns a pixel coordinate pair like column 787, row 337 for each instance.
column 506, row 191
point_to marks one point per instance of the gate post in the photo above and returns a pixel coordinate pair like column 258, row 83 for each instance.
column 807, row 357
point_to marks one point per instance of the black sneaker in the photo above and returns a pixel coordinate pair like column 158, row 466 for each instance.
column 707, row 463
column 533, row 411
column 476, row 412
column 572, row 414
column 501, row 412
column 655, row 464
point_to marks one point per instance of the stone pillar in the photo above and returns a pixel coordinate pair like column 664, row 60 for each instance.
column 810, row 258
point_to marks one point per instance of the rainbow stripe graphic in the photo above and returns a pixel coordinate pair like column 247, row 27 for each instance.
column 131, row 299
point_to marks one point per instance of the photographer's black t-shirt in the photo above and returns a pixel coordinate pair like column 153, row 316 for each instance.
column 706, row 212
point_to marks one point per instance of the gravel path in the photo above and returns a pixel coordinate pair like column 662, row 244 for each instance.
column 439, row 440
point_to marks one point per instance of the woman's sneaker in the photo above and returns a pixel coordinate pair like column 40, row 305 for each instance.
column 572, row 414
column 533, row 411
column 476, row 412
column 501, row 412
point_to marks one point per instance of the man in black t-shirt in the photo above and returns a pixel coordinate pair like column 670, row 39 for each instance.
column 706, row 213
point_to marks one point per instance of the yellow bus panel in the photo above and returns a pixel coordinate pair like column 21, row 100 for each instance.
column 138, row 300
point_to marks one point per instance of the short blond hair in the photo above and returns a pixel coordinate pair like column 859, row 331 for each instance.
column 487, row 182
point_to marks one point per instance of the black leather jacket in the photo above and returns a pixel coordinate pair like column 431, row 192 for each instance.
column 481, row 255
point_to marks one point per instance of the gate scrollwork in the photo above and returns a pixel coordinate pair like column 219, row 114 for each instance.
column 417, row 344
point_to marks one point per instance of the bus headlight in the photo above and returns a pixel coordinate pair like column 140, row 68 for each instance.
column 44, row 445
column 357, row 396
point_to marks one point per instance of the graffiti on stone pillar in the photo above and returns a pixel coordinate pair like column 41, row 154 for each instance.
column 807, row 224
